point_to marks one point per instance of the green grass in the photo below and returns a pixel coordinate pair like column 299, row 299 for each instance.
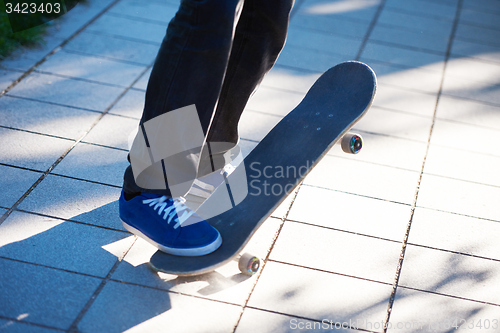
column 9, row 41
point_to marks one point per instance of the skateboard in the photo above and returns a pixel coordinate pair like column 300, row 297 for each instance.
column 274, row 168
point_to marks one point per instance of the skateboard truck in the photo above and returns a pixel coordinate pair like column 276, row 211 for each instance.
column 351, row 143
column 248, row 264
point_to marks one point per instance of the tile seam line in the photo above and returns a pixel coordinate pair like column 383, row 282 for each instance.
column 57, row 48
column 74, row 325
column 342, row 231
column 450, row 296
column 370, row 29
column 75, row 143
column 428, row 247
column 138, row 19
column 399, row 267
column 103, row 57
column 268, row 254
column 125, row 38
column 31, row 323
column 75, row 78
column 30, row 99
column 310, row 319
column 330, row 272
column 71, row 220
column 52, row 267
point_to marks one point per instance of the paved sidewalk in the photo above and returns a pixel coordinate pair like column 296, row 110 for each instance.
column 405, row 233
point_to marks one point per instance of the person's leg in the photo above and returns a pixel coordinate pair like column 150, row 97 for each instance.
column 189, row 70
column 259, row 39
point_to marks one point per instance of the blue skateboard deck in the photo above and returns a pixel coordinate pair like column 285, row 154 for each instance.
column 336, row 101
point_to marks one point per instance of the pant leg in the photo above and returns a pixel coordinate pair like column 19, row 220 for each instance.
column 259, row 38
column 199, row 63
column 190, row 66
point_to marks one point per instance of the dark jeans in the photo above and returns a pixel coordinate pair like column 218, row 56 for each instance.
column 214, row 55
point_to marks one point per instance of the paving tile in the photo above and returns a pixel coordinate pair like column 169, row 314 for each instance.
column 57, row 32
column 331, row 297
column 290, row 79
column 7, row 77
column 399, row 99
column 30, row 150
column 112, row 131
column 421, row 40
column 130, row 105
column 226, row 284
column 397, row 124
column 464, row 165
column 323, row 42
column 451, row 274
column 478, row 34
column 403, row 57
column 470, row 112
column 260, row 321
column 337, row 252
column 121, row 307
column 68, row 24
column 459, row 197
column 76, row 200
column 273, row 101
column 381, row 150
column 478, row 51
column 14, row 326
column 473, row 70
column 25, row 58
column 419, row 79
column 438, row 9
column 55, row 243
column 92, row 68
column 306, row 59
column 142, row 83
column 356, row 10
column 150, row 11
column 113, row 48
column 485, row 6
column 456, row 233
column 95, row 163
column 414, row 21
column 416, row 311
column 481, row 18
column 44, row 296
column 328, row 208
column 474, row 90
column 15, row 182
column 134, row 29
column 466, row 137
column 365, row 179
column 45, row 118
column 333, row 24
column 65, row 91
column 256, row 125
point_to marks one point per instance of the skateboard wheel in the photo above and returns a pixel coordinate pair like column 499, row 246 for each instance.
column 351, row 143
column 249, row 264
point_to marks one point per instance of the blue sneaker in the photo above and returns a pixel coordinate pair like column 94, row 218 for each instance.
column 168, row 224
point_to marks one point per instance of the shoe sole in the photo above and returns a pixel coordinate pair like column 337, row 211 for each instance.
column 189, row 252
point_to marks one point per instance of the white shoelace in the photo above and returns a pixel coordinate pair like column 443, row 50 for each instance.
column 175, row 209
